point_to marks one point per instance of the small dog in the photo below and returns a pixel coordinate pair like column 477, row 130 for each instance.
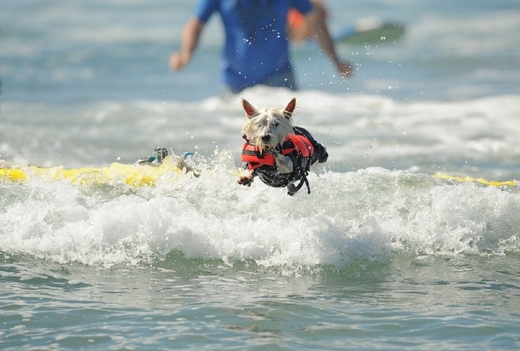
column 277, row 151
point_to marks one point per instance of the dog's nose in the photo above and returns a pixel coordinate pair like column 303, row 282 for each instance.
column 266, row 138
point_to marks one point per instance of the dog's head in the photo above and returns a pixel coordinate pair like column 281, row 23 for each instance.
column 269, row 127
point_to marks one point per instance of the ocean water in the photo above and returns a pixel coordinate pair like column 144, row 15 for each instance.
column 385, row 253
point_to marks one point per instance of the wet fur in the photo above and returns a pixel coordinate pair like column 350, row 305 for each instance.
column 267, row 128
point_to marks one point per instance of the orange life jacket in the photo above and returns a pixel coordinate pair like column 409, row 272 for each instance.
column 251, row 154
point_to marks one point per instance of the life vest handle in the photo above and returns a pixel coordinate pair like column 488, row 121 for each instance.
column 302, row 144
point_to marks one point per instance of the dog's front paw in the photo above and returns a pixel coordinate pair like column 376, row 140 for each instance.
column 245, row 180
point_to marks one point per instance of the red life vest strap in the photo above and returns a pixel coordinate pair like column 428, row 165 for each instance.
column 251, row 155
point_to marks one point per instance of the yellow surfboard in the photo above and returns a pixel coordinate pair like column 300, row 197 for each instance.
column 146, row 175
column 133, row 175
column 475, row 180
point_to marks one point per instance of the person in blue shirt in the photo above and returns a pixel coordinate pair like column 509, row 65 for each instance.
column 256, row 49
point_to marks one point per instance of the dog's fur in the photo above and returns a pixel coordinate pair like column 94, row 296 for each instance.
column 267, row 129
column 271, row 131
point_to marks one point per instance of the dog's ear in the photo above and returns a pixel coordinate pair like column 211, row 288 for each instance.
column 250, row 110
column 289, row 109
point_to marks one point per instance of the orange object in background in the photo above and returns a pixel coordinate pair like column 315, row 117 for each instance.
column 298, row 28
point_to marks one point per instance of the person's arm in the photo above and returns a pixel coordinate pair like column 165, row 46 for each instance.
column 317, row 23
column 189, row 42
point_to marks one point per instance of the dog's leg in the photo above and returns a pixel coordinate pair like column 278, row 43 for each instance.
column 246, row 178
column 283, row 163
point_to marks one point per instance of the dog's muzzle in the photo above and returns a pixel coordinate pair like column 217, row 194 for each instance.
column 266, row 138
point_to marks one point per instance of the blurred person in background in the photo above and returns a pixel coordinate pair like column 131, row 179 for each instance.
column 256, row 49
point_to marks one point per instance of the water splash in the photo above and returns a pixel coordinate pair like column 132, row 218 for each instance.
column 368, row 215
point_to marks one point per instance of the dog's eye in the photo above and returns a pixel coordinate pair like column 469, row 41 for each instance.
column 276, row 124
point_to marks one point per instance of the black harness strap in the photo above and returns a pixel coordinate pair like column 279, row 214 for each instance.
column 294, row 189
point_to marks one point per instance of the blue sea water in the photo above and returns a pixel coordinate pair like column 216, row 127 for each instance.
column 383, row 254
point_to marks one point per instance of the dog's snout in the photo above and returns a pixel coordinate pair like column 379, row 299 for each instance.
column 266, row 138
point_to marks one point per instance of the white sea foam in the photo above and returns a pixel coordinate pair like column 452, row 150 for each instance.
column 365, row 215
